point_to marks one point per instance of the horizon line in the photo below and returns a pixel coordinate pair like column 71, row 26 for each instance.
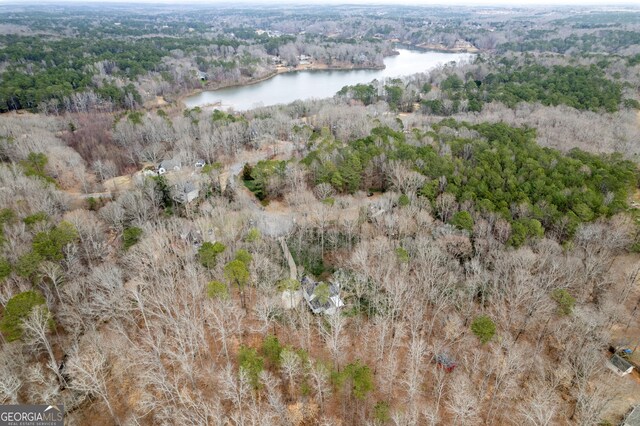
column 503, row 4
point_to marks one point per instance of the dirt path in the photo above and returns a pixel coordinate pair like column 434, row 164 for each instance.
column 111, row 188
column 293, row 270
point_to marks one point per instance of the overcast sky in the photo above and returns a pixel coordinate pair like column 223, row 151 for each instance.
column 333, row 2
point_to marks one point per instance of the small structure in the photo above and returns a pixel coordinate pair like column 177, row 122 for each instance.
column 304, row 60
column 444, row 361
column 619, row 365
column 168, row 166
column 633, row 418
column 192, row 237
column 186, row 192
column 328, row 303
column 200, row 163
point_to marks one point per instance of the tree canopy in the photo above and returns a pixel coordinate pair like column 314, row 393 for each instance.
column 16, row 311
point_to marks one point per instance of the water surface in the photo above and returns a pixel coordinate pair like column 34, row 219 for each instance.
column 288, row 87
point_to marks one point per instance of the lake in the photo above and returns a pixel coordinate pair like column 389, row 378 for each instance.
column 288, row 87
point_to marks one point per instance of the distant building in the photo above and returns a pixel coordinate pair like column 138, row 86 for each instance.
column 186, row 192
column 304, row 60
column 312, row 293
column 444, row 361
column 619, row 365
column 168, row 166
column 192, row 237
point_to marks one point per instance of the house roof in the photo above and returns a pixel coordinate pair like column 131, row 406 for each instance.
column 169, row 164
column 185, row 191
column 186, row 187
column 445, row 360
column 633, row 418
column 309, row 286
column 620, row 363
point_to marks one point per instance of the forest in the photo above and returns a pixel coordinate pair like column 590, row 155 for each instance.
column 459, row 246
column 497, row 169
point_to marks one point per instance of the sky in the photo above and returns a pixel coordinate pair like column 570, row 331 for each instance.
column 511, row 3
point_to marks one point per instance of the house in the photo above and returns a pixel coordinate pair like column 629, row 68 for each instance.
column 633, row 418
column 444, row 361
column 186, row 192
column 168, row 166
column 304, row 60
column 192, row 237
column 200, row 163
column 328, row 303
column 619, row 365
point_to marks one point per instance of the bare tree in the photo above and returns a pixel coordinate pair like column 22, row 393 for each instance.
column 320, row 376
column 540, row 407
column 403, row 178
column 446, row 206
column 463, row 403
column 332, row 329
column 291, row 366
column 11, row 363
column 35, row 328
column 236, row 388
column 225, row 320
column 87, row 368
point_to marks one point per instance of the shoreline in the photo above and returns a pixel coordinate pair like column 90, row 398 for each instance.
column 442, row 49
column 179, row 100
column 278, row 70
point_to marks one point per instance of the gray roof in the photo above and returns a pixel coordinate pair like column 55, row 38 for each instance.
column 193, row 237
column 186, row 187
column 185, row 192
column 169, row 164
column 309, row 286
column 445, row 360
column 620, row 363
column 633, row 418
